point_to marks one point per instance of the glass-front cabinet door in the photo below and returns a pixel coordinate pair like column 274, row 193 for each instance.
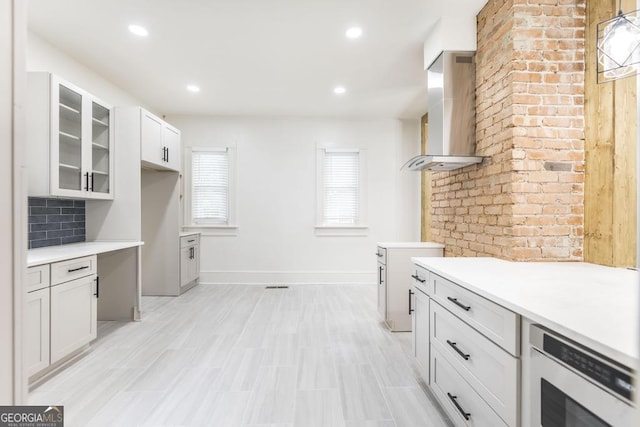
column 82, row 144
column 69, row 137
column 100, row 149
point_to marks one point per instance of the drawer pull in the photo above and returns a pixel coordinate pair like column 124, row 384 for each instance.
column 459, row 304
column 466, row 415
column 192, row 240
column 410, row 309
column 455, row 347
column 418, row 278
column 379, row 254
column 71, row 270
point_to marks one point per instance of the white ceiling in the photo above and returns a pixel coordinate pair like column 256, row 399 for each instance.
column 254, row 57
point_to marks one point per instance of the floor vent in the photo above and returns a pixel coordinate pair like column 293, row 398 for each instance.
column 276, row 287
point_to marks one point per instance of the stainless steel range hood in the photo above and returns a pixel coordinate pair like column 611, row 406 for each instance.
column 451, row 136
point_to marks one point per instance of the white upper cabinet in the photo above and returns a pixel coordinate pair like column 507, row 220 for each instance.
column 160, row 143
column 70, row 140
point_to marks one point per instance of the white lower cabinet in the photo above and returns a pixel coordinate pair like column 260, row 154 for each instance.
column 490, row 370
column 467, row 349
column 37, row 331
column 189, row 260
column 394, row 280
column 464, row 406
column 60, row 312
column 74, row 318
column 420, row 332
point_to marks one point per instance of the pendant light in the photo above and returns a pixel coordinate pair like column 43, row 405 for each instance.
column 618, row 46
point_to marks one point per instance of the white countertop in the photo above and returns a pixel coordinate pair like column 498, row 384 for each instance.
column 410, row 245
column 188, row 233
column 75, row 250
column 594, row 305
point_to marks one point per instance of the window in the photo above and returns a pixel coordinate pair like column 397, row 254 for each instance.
column 211, row 196
column 340, row 188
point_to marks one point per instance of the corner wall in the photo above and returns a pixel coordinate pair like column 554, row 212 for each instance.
column 526, row 201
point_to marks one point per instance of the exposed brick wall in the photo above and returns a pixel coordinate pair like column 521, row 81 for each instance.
column 526, row 202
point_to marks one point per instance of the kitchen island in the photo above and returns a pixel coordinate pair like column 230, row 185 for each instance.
column 503, row 334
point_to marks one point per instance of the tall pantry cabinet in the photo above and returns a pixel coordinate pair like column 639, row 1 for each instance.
column 69, row 139
column 159, row 178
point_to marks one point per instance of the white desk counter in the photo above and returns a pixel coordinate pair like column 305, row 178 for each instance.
column 118, row 268
column 74, row 250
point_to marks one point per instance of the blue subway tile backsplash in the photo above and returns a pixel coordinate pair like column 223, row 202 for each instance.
column 55, row 222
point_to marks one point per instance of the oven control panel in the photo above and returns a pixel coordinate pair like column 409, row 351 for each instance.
column 616, row 379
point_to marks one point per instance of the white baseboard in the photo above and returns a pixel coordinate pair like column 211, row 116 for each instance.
column 287, row 277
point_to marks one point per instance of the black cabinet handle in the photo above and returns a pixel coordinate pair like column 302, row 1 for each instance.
column 71, row 270
column 192, row 253
column 418, row 278
column 379, row 254
column 459, row 304
column 380, row 275
column 410, row 309
column 460, row 352
column 167, row 154
column 91, row 182
column 189, row 241
column 97, row 294
column 86, row 178
column 454, row 399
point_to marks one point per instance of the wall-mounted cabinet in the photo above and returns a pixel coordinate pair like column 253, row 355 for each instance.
column 70, row 140
column 160, row 143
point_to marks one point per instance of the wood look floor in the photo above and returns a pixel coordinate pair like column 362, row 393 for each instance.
column 223, row 355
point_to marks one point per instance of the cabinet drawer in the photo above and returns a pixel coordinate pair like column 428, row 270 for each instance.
column 490, row 370
column 72, row 269
column 193, row 239
column 37, row 277
column 493, row 321
column 457, row 396
column 381, row 254
column 421, row 280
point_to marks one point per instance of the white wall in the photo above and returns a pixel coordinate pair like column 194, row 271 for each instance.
column 42, row 56
column 6, row 204
column 12, row 199
column 276, row 240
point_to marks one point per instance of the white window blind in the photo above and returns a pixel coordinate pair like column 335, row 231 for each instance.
column 210, row 186
column 341, row 187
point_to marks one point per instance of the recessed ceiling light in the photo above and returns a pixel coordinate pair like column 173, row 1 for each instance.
column 354, row 32
column 138, row 30
column 193, row 88
column 339, row 90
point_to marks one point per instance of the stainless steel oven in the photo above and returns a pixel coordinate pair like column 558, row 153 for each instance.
column 572, row 386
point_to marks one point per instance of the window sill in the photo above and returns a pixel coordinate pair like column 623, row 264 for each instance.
column 342, row 230
column 214, row 229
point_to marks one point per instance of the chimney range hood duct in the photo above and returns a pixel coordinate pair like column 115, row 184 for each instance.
column 451, row 136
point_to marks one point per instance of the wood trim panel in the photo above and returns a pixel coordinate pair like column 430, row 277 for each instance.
column 610, row 154
column 425, row 185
